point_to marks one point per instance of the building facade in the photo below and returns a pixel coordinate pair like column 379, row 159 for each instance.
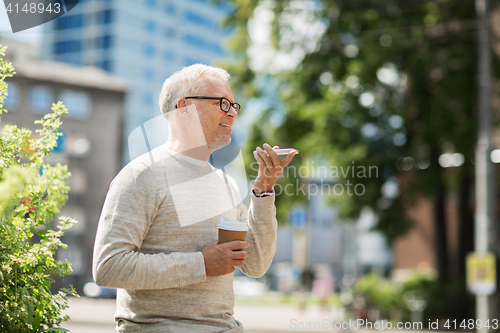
column 90, row 145
column 142, row 42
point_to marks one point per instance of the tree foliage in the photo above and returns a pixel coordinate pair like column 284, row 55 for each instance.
column 387, row 84
column 31, row 194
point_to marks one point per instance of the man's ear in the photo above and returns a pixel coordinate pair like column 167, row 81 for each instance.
column 181, row 103
column 182, row 106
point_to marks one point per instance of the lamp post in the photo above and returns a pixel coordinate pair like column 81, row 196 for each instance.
column 484, row 227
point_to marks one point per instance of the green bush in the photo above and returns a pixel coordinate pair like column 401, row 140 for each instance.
column 31, row 194
column 388, row 299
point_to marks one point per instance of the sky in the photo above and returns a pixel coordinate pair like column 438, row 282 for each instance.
column 32, row 36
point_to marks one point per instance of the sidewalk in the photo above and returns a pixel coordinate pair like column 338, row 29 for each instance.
column 96, row 316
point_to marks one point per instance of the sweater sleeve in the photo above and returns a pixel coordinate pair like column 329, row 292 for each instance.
column 261, row 236
column 129, row 210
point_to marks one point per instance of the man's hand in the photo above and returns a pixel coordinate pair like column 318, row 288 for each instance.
column 270, row 167
column 220, row 259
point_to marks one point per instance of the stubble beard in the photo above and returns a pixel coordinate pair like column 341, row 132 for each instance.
column 218, row 144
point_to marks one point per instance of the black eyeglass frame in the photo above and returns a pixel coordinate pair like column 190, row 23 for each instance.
column 235, row 106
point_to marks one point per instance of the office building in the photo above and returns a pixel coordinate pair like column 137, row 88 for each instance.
column 142, row 42
column 90, row 145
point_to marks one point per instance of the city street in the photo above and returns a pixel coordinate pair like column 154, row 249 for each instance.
column 96, row 316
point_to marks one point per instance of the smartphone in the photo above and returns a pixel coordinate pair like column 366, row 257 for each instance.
column 283, row 151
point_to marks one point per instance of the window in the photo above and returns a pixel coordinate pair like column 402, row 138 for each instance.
column 105, row 17
column 169, row 8
column 203, row 44
column 41, row 99
column 200, row 20
column 61, row 143
column 12, row 100
column 104, row 42
column 106, row 65
column 151, row 4
column 168, row 56
column 78, row 103
column 149, row 50
column 170, row 32
column 68, row 46
column 150, row 26
column 69, row 22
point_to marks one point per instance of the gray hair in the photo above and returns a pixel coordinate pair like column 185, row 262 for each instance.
column 186, row 81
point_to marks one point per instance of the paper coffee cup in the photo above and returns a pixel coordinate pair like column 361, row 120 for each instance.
column 230, row 230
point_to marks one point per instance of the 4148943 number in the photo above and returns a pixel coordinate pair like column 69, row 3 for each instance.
column 471, row 324
column 35, row 8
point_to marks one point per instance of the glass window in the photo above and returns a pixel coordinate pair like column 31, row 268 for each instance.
column 69, row 22
column 105, row 16
column 169, row 8
column 12, row 100
column 41, row 99
column 67, row 46
column 170, row 32
column 78, row 103
column 71, row 58
column 168, row 56
column 150, row 26
column 106, row 65
column 151, row 4
column 61, row 143
column 149, row 50
column 203, row 44
column 104, row 42
column 199, row 20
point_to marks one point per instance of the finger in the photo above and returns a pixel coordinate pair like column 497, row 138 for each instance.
column 238, row 262
column 239, row 255
column 276, row 147
column 261, row 162
column 237, row 245
column 259, row 159
column 272, row 155
column 263, row 154
column 288, row 158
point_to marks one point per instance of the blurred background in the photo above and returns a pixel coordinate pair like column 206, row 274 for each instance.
column 384, row 99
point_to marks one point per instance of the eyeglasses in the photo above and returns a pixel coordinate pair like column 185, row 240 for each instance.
column 225, row 104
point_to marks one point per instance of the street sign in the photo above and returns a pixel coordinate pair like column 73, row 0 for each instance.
column 298, row 217
column 481, row 273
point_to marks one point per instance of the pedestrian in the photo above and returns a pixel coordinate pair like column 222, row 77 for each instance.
column 323, row 286
column 157, row 235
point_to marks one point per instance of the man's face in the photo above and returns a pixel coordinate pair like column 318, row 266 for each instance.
column 216, row 124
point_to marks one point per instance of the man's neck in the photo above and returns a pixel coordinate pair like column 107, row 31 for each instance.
column 201, row 153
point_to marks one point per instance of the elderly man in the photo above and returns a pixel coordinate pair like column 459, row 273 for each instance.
column 157, row 235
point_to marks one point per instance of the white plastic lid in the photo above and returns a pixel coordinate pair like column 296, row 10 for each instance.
column 232, row 225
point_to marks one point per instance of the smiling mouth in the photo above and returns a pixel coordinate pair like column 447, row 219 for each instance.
column 226, row 125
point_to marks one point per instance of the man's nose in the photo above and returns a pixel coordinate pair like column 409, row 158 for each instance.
column 232, row 112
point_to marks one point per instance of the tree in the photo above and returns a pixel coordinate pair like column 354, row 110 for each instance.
column 31, row 194
column 389, row 84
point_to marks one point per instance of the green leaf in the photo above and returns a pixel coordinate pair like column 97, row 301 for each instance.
column 29, row 199
column 38, row 317
column 56, row 329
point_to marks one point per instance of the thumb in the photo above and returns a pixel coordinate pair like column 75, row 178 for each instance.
column 288, row 158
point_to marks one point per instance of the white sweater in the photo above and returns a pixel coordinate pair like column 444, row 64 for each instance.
column 160, row 211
